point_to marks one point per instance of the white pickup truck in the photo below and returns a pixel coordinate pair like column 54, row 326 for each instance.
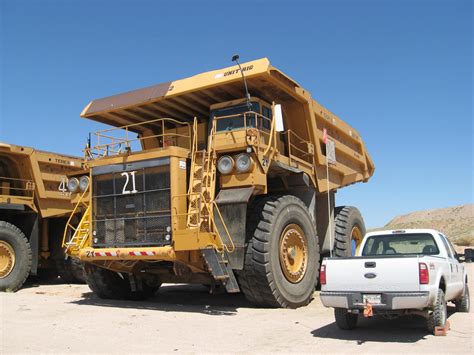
column 396, row 272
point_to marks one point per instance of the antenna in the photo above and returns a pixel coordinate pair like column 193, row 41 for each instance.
column 235, row 58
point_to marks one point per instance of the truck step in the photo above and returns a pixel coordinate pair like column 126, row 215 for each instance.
column 220, row 269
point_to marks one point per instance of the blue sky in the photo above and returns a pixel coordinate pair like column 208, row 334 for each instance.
column 399, row 71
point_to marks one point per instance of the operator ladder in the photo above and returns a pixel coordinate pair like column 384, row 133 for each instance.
column 80, row 235
column 202, row 188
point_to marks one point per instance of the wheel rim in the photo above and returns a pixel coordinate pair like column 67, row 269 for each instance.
column 356, row 239
column 293, row 253
column 7, row 259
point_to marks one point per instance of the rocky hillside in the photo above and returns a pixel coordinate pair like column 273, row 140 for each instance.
column 457, row 223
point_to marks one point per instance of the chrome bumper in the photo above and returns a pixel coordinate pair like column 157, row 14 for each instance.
column 389, row 300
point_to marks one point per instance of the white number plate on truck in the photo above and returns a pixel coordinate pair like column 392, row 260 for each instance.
column 372, row 299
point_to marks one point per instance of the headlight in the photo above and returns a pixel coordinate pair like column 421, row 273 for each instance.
column 73, row 184
column 243, row 163
column 84, row 183
column 225, row 164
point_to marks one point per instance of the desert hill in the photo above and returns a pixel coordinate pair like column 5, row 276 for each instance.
column 457, row 223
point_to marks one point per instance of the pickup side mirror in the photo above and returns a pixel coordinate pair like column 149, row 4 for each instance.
column 468, row 255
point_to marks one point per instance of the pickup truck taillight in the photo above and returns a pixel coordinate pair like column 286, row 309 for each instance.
column 322, row 275
column 424, row 274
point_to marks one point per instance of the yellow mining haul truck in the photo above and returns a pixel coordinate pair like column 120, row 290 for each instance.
column 33, row 214
column 203, row 182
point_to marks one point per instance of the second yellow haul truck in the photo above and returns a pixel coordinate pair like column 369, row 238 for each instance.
column 203, row 181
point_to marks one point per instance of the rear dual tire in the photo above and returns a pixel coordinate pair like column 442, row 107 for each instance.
column 349, row 231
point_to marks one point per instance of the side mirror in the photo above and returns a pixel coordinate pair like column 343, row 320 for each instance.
column 278, row 116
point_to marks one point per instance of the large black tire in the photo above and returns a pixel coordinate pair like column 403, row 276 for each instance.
column 262, row 280
column 350, row 227
column 69, row 270
column 464, row 303
column 344, row 319
column 108, row 284
column 14, row 242
column 439, row 314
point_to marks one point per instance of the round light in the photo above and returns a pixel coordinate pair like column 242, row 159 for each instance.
column 96, row 240
column 168, row 229
column 243, row 163
column 167, row 237
column 73, row 185
column 84, row 183
column 225, row 165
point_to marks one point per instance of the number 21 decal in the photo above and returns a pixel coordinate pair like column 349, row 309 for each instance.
column 126, row 189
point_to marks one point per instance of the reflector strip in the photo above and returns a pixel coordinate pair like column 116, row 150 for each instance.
column 102, row 253
column 142, row 253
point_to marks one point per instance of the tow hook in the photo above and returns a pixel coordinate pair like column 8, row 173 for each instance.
column 368, row 311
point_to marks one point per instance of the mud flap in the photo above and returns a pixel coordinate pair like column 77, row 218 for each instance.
column 233, row 207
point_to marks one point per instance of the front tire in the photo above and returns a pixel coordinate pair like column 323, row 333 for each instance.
column 349, row 231
column 464, row 303
column 108, row 284
column 344, row 319
column 282, row 256
column 437, row 318
column 15, row 257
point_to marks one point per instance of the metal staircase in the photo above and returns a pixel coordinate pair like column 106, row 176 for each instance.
column 201, row 208
column 75, row 237
column 202, row 186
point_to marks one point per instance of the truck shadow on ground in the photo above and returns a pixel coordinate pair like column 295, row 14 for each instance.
column 177, row 298
column 407, row 329
column 38, row 281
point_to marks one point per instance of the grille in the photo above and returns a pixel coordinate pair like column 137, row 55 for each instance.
column 131, row 204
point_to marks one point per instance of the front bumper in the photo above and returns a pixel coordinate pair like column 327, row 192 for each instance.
column 389, row 300
column 165, row 253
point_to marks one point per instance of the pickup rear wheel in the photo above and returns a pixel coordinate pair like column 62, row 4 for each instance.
column 464, row 303
column 438, row 316
column 344, row 319
column 349, row 231
column 282, row 256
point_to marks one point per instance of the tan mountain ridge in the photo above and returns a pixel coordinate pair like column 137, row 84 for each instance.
column 457, row 223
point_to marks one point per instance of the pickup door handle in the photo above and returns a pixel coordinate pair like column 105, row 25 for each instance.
column 370, row 264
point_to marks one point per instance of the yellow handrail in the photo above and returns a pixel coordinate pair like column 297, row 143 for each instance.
column 105, row 149
column 225, row 228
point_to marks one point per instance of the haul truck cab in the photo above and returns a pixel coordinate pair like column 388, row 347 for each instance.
column 195, row 184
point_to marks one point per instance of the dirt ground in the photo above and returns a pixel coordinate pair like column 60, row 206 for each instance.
column 58, row 318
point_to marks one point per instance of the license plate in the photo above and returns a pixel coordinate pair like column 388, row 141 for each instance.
column 372, row 299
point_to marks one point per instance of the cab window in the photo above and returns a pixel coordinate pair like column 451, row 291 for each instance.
column 235, row 117
column 266, row 112
column 446, row 245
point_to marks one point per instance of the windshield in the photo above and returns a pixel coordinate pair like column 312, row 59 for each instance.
column 237, row 119
column 400, row 244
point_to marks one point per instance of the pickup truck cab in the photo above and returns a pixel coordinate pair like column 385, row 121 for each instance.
column 396, row 272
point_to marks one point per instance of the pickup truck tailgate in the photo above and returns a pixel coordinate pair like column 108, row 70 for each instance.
column 372, row 274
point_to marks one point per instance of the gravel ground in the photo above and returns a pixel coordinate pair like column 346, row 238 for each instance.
column 58, row 318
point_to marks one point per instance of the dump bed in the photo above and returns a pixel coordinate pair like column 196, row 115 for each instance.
column 31, row 178
column 192, row 97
